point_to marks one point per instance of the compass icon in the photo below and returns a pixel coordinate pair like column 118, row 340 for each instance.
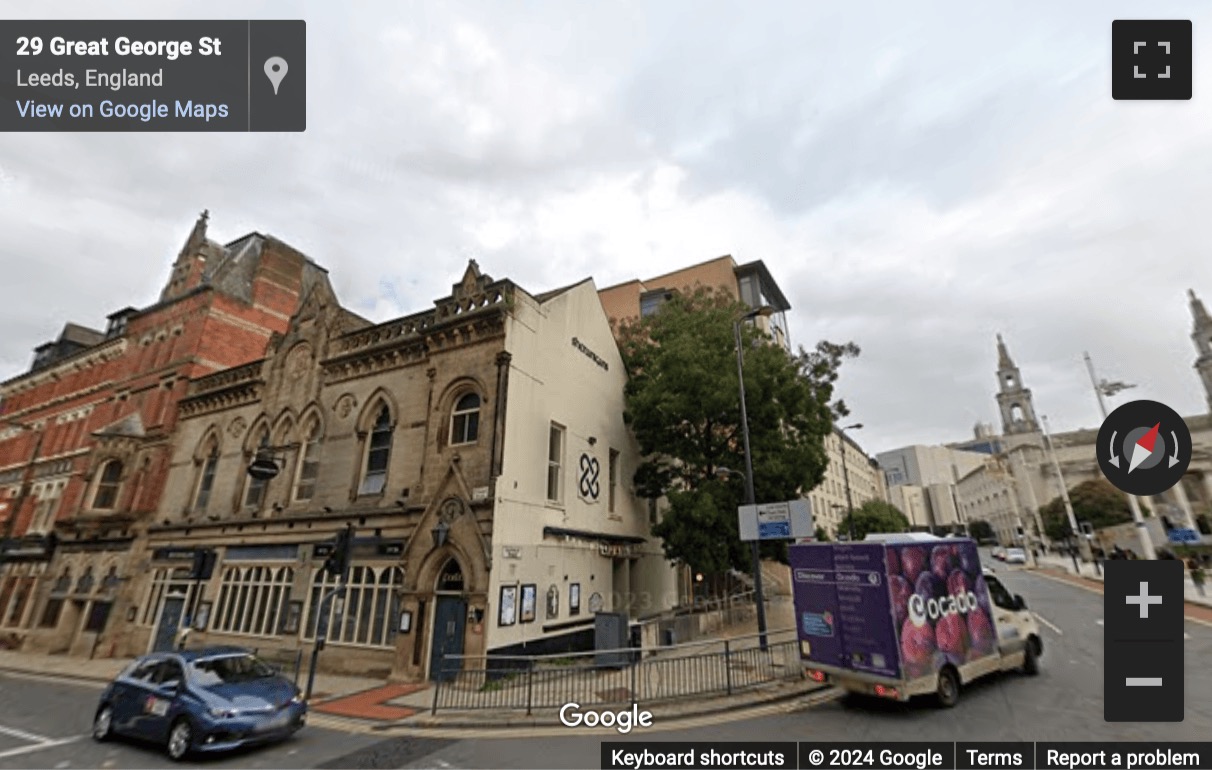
column 1144, row 448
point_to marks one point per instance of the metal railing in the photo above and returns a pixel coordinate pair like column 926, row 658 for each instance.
column 715, row 667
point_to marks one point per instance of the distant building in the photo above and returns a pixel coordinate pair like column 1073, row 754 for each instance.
column 829, row 500
column 750, row 283
column 929, row 474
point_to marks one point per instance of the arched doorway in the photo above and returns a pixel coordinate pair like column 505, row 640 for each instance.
column 449, row 621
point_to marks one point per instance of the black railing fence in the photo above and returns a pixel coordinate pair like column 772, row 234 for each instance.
column 717, row 667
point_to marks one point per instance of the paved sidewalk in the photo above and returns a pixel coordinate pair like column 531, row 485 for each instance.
column 361, row 700
column 1088, row 571
column 327, row 686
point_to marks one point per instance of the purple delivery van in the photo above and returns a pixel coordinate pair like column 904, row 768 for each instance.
column 907, row 615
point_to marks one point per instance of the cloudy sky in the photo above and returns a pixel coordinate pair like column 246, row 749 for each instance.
column 917, row 177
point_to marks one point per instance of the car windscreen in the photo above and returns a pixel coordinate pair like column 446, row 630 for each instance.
column 228, row 669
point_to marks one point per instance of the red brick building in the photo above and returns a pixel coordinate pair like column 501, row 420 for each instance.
column 85, row 433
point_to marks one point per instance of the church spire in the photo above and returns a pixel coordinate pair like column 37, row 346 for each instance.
column 1197, row 309
column 1003, row 356
column 1201, row 335
column 197, row 236
column 1013, row 400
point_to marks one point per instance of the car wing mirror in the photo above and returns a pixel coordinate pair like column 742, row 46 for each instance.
column 170, row 688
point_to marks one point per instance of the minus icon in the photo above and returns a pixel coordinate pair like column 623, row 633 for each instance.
column 1144, row 681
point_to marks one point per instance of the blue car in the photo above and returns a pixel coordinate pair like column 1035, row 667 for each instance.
column 200, row 700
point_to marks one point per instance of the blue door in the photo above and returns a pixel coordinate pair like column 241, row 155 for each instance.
column 450, row 617
column 170, row 622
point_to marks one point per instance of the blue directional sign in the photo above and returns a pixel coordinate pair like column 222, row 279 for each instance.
column 1184, row 536
column 774, row 529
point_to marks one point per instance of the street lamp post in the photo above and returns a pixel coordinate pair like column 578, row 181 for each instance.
column 846, row 476
column 750, row 496
column 1064, row 488
column 1105, row 388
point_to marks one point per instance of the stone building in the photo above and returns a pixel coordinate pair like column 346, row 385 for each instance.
column 477, row 449
column 829, row 499
column 85, row 434
column 1021, row 476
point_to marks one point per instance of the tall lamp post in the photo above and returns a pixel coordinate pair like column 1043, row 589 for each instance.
column 1064, row 488
column 1104, row 388
column 750, row 496
column 846, row 476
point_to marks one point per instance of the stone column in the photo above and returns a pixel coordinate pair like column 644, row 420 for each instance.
column 1180, row 494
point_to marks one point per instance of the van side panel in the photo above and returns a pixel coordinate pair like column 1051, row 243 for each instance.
column 940, row 605
column 843, row 609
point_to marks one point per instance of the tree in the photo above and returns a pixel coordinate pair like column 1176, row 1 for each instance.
column 821, row 535
column 1095, row 501
column 682, row 403
column 873, row 516
column 980, row 530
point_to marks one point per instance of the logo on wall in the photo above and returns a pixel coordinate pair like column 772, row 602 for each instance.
column 588, row 484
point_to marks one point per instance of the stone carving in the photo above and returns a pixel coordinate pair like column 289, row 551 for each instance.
column 237, row 427
column 345, row 406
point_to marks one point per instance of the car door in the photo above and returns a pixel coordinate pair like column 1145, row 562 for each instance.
column 1009, row 637
column 130, row 691
column 161, row 693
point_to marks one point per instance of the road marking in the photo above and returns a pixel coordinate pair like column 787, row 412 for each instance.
column 13, row 732
column 38, row 747
column 1063, row 581
column 1048, row 623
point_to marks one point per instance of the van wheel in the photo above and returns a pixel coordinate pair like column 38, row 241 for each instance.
column 948, row 688
column 1031, row 658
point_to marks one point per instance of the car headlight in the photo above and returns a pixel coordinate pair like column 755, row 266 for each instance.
column 298, row 698
column 222, row 713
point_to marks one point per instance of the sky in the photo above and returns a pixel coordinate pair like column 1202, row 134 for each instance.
column 917, row 176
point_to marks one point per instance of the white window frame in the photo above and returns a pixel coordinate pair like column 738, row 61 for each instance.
column 465, row 415
column 371, row 587
column 206, row 480
column 308, row 470
column 101, row 483
column 374, row 483
column 252, row 599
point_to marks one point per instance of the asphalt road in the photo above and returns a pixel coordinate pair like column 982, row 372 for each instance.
column 48, row 722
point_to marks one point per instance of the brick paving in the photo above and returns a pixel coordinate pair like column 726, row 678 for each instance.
column 373, row 703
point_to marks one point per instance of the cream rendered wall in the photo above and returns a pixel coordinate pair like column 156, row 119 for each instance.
column 552, row 380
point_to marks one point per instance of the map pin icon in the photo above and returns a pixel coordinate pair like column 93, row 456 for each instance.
column 275, row 70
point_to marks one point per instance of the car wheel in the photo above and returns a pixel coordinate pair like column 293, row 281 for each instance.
column 1030, row 659
column 948, row 688
column 180, row 740
column 103, row 724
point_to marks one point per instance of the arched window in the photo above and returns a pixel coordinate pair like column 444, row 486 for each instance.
column 254, row 495
column 309, row 462
column 378, row 453
column 465, row 420
column 106, row 496
column 206, row 479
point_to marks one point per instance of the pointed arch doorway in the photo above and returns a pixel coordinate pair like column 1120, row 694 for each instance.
column 449, row 620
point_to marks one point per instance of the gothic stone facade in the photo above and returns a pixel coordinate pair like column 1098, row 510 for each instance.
column 457, row 444
column 85, row 434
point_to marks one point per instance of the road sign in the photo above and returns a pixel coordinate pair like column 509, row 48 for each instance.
column 775, row 521
column 1184, row 536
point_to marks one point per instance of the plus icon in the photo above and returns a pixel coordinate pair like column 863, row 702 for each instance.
column 1144, row 600
column 1151, row 59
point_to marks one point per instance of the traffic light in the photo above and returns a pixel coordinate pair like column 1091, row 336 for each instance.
column 337, row 563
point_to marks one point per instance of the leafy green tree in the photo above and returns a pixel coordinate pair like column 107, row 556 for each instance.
column 981, row 530
column 1095, row 501
column 682, row 403
column 821, row 535
column 871, row 517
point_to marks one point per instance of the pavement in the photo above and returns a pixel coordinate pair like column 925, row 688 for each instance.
column 358, row 703
column 1090, row 571
column 46, row 719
